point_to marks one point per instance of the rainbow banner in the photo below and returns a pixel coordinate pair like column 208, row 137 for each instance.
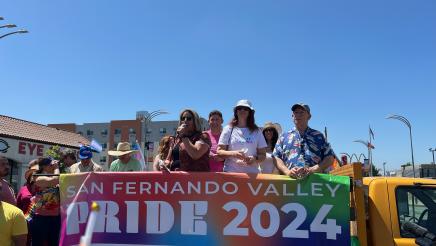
column 179, row 208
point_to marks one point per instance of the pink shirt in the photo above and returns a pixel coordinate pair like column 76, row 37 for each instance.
column 215, row 166
column 7, row 194
column 23, row 198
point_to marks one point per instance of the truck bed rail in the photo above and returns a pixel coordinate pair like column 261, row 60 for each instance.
column 357, row 202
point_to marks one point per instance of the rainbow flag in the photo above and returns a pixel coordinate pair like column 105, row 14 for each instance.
column 139, row 155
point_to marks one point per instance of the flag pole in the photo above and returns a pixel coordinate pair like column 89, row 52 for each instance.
column 370, row 152
column 86, row 239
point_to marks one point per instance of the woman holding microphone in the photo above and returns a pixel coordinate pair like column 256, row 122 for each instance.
column 241, row 143
column 190, row 151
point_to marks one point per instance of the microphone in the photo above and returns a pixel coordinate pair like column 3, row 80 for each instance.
column 179, row 129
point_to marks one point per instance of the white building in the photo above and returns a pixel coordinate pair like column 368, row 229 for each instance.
column 22, row 141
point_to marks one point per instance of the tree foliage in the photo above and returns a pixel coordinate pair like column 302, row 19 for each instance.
column 54, row 152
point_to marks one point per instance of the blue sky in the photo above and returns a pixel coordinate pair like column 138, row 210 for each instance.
column 353, row 62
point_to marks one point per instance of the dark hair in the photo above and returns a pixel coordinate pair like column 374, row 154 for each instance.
column 275, row 136
column 195, row 119
column 215, row 112
column 250, row 120
column 42, row 162
column 68, row 153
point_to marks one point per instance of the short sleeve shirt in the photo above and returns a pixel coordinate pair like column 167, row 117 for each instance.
column 215, row 166
column 312, row 145
column 12, row 223
column 132, row 166
column 46, row 202
column 7, row 194
column 241, row 139
column 79, row 168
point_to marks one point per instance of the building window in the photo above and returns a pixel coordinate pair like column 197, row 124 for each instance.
column 104, row 145
column 104, row 133
column 115, row 145
column 162, row 130
column 148, row 130
column 103, row 159
column 132, row 131
column 117, row 131
column 89, row 132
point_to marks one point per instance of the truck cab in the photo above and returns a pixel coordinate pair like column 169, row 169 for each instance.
column 392, row 201
column 382, row 206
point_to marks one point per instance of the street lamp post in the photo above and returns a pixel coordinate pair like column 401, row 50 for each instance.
column 11, row 26
column 407, row 123
column 384, row 169
column 19, row 31
column 369, row 146
column 432, row 151
column 146, row 119
column 8, row 26
column 350, row 157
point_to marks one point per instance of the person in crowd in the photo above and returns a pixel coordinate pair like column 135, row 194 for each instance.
column 241, row 143
column 6, row 191
column 190, row 151
column 13, row 226
column 271, row 133
column 161, row 160
column 26, row 193
column 44, row 217
column 86, row 164
column 125, row 162
column 216, row 162
column 68, row 158
column 303, row 150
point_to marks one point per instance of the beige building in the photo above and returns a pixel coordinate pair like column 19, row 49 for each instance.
column 146, row 133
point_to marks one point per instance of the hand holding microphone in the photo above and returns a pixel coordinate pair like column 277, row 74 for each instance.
column 181, row 130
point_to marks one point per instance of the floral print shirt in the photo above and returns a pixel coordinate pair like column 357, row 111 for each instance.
column 311, row 145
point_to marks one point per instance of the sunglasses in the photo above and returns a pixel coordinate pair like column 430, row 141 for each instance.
column 269, row 130
column 242, row 108
column 186, row 118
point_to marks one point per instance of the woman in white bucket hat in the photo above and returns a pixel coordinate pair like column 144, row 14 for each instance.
column 241, row 142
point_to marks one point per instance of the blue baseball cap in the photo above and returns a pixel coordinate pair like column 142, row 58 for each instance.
column 85, row 152
column 302, row 106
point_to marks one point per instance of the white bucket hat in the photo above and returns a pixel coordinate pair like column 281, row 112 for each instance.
column 244, row 103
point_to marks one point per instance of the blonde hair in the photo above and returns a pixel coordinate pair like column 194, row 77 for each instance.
column 164, row 147
column 195, row 118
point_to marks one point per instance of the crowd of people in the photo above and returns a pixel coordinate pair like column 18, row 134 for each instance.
column 33, row 216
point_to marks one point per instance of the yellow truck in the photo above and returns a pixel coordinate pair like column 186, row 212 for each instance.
column 391, row 210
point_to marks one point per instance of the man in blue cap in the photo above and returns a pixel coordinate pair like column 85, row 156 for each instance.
column 86, row 164
column 303, row 150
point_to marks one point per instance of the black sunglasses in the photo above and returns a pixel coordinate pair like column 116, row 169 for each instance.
column 242, row 108
column 186, row 118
